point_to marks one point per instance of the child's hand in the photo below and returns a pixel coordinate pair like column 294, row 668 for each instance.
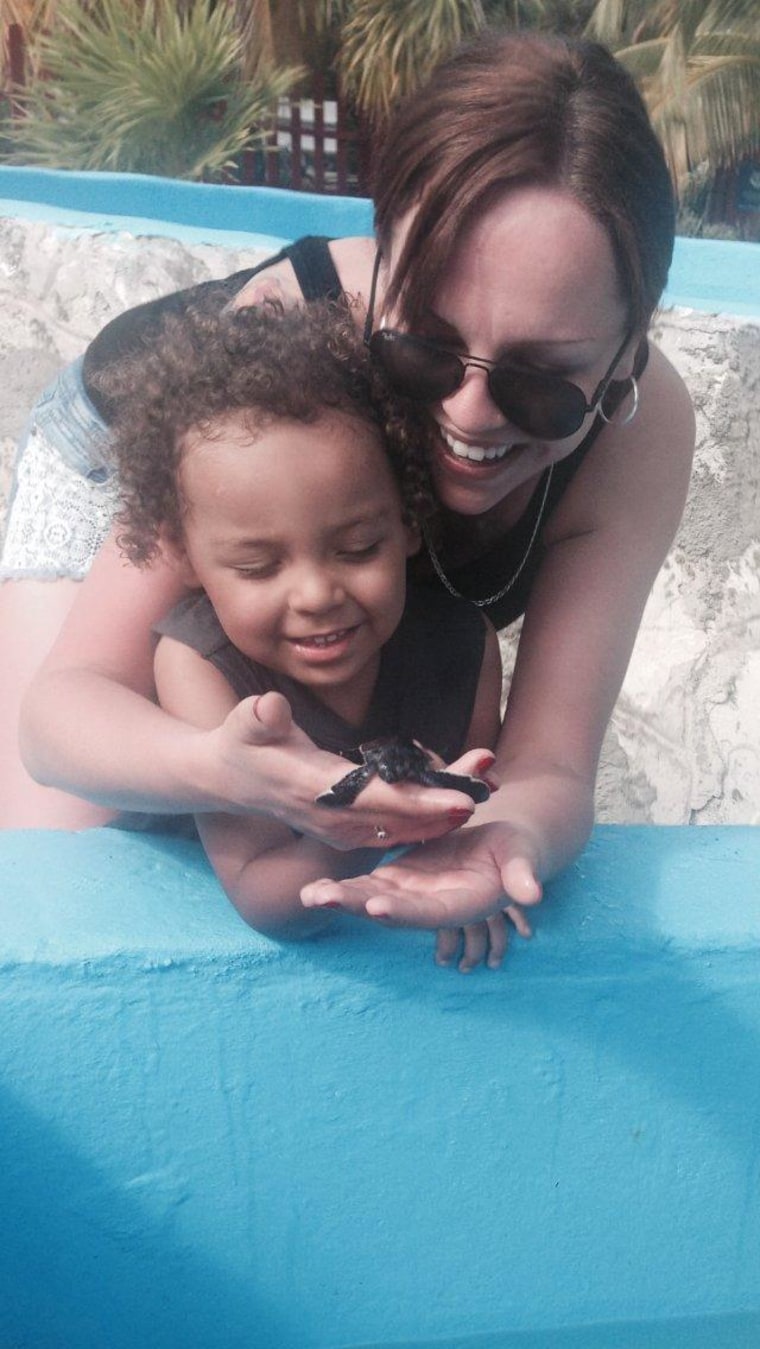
column 479, row 942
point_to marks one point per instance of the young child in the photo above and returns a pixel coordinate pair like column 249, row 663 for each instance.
column 260, row 450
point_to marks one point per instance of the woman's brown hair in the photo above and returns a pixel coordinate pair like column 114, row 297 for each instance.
column 508, row 111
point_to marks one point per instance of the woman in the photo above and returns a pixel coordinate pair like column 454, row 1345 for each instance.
column 525, row 227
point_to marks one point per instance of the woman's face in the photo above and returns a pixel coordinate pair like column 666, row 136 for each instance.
column 533, row 279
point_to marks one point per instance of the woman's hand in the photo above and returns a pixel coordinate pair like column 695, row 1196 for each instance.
column 264, row 762
column 467, row 878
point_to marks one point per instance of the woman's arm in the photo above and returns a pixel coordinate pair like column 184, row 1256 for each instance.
column 31, row 615
column 605, row 544
column 90, row 727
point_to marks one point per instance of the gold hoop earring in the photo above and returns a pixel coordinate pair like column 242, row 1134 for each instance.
column 629, row 416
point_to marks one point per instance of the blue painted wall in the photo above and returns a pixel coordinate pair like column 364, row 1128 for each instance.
column 211, row 1140
column 202, row 210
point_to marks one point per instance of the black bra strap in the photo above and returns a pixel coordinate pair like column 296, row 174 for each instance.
column 368, row 322
column 312, row 263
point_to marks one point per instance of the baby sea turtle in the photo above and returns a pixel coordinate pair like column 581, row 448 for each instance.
column 397, row 760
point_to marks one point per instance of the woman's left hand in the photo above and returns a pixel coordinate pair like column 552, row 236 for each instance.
column 462, row 880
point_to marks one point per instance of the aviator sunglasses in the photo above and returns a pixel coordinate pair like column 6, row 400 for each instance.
column 543, row 405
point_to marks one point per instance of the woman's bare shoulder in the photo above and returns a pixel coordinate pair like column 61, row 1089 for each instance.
column 636, row 476
column 353, row 263
column 354, row 259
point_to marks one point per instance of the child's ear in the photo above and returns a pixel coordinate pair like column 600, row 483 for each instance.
column 173, row 550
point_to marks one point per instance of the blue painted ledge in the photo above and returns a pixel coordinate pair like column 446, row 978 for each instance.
column 147, row 204
column 715, row 276
column 217, row 1142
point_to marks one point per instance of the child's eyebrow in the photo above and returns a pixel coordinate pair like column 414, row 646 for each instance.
column 372, row 516
column 245, row 544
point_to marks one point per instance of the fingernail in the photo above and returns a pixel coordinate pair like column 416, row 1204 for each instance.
column 255, row 709
column 459, row 815
column 486, row 762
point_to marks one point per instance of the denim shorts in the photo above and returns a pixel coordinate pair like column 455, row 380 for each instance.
column 64, row 490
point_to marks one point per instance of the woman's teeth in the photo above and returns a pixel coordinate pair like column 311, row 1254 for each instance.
column 474, row 452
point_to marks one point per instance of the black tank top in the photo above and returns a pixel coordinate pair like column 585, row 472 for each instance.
column 426, row 685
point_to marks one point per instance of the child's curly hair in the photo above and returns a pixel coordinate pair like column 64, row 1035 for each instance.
column 278, row 363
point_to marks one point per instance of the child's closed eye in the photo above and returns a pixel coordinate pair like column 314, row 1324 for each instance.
column 256, row 571
column 362, row 553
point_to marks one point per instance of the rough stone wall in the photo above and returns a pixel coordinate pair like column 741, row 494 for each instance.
column 59, row 287
column 684, row 742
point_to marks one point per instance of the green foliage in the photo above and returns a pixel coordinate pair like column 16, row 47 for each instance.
column 390, row 47
column 697, row 63
column 144, row 88
column 550, row 16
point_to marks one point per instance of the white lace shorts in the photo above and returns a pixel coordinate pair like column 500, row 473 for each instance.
column 64, row 494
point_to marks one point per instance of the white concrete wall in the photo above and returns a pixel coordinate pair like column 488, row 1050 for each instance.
column 684, row 744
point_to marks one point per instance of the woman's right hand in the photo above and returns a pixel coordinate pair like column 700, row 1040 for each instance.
column 265, row 762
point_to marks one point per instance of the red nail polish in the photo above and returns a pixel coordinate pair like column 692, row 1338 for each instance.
column 459, row 815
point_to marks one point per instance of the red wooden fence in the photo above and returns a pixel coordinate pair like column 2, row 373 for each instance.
column 310, row 144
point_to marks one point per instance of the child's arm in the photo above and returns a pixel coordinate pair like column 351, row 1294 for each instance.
column 261, row 863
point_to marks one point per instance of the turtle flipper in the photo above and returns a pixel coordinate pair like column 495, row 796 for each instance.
column 458, row 782
column 345, row 792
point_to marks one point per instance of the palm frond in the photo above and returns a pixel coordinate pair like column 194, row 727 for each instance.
column 390, row 47
column 144, row 88
column 698, row 69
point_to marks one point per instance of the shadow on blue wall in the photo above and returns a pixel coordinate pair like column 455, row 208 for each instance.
column 84, row 1266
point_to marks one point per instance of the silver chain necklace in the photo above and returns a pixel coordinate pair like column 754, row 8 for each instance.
column 491, row 599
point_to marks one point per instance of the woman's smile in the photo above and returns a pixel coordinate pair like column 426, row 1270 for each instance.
column 474, row 478
column 474, row 454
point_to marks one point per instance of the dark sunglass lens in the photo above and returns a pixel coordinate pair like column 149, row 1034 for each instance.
column 415, row 368
column 542, row 405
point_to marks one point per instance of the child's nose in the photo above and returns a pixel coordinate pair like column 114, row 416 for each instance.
column 315, row 589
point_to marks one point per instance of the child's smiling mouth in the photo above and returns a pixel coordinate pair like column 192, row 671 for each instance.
column 324, row 645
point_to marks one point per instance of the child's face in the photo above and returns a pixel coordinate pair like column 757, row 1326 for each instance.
column 297, row 537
